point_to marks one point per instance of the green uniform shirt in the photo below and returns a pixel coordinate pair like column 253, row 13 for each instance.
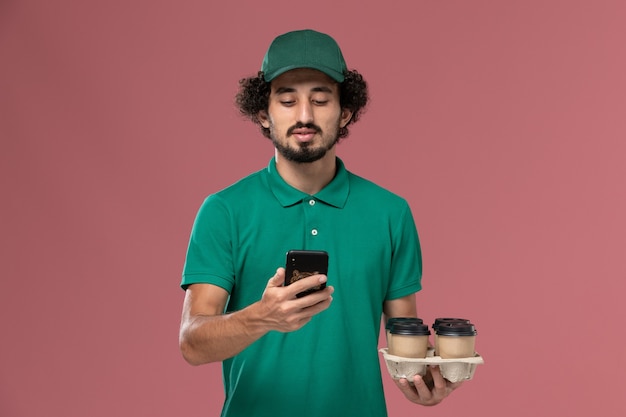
column 329, row 367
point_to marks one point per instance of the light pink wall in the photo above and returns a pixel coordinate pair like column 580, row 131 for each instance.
column 502, row 123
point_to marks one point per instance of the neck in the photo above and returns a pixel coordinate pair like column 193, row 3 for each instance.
column 310, row 177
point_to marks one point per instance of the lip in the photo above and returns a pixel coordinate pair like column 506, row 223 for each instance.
column 304, row 135
column 304, row 131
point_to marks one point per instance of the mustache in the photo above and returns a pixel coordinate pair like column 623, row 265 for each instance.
column 300, row 125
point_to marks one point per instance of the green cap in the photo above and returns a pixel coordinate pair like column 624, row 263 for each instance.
column 304, row 49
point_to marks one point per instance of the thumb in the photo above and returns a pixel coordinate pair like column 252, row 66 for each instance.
column 278, row 279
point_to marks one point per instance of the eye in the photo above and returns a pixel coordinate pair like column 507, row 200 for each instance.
column 287, row 103
column 320, row 102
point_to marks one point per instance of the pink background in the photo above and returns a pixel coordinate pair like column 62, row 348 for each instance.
column 503, row 124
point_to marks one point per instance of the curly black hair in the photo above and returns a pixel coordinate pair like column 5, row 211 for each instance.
column 254, row 92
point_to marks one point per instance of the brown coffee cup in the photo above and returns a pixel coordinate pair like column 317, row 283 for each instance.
column 443, row 320
column 456, row 340
column 393, row 320
column 408, row 339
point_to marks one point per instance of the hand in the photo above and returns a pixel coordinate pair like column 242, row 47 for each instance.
column 283, row 310
column 430, row 390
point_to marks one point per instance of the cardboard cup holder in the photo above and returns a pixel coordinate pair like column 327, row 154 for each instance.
column 454, row 370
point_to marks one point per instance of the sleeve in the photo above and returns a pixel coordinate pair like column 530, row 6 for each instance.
column 209, row 257
column 406, row 263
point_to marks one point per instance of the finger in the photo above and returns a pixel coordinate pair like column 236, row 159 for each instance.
column 424, row 393
column 408, row 391
column 307, row 283
column 316, row 302
column 438, row 380
column 278, row 279
column 442, row 387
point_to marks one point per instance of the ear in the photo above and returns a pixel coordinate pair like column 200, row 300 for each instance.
column 346, row 115
column 263, row 118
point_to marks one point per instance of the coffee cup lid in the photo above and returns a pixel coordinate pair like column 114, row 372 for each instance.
column 440, row 320
column 409, row 328
column 393, row 320
column 456, row 329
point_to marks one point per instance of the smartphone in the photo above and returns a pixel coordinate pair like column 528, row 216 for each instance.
column 304, row 263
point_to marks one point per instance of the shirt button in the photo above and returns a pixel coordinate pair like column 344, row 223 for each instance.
column 311, row 202
column 314, row 232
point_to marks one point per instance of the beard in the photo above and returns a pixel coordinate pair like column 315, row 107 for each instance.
column 305, row 152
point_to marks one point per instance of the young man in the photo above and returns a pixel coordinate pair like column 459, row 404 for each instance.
column 314, row 355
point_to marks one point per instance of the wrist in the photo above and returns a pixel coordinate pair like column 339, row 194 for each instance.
column 255, row 320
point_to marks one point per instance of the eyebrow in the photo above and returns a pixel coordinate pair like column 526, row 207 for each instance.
column 323, row 89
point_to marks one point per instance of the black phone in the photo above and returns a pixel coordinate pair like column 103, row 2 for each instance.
column 304, row 263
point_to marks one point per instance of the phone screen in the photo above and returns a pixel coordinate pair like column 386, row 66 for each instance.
column 303, row 263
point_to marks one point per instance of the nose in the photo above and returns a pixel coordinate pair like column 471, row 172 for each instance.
column 305, row 112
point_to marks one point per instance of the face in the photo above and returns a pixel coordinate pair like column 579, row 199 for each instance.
column 304, row 114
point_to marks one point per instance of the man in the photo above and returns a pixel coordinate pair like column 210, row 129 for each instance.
column 314, row 355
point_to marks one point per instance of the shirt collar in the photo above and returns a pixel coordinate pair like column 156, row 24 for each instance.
column 334, row 194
